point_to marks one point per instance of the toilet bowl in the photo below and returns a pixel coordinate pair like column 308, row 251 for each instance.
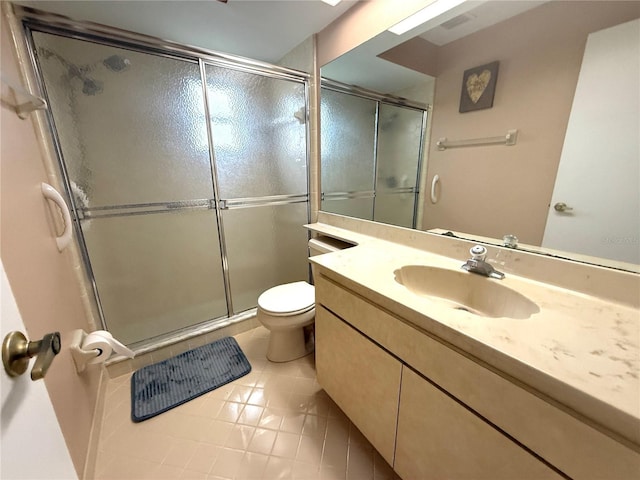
column 285, row 310
column 288, row 310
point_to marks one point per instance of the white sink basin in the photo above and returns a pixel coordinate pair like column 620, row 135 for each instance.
column 466, row 291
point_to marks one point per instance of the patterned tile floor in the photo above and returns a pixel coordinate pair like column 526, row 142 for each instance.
column 274, row 423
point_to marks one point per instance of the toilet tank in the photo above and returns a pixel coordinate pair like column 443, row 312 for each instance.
column 323, row 244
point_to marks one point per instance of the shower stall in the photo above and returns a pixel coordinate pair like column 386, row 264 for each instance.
column 186, row 173
column 371, row 154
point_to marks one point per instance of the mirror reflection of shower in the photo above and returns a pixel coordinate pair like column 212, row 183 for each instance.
column 85, row 73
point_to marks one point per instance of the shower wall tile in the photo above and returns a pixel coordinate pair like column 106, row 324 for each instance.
column 163, row 354
column 116, row 370
column 140, row 361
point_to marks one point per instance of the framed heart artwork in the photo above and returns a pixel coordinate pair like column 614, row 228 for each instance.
column 478, row 87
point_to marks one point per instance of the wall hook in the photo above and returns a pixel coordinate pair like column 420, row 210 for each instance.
column 30, row 104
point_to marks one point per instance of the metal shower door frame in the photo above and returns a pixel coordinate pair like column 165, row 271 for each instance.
column 424, row 110
column 380, row 99
column 35, row 20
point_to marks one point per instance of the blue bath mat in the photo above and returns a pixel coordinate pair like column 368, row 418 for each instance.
column 162, row 386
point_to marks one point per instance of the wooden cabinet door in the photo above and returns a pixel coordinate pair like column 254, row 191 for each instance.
column 439, row 438
column 362, row 378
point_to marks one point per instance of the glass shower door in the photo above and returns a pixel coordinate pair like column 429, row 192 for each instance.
column 398, row 164
column 348, row 153
column 131, row 129
column 259, row 133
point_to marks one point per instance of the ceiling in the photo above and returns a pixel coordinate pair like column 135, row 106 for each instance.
column 258, row 29
column 362, row 66
column 266, row 30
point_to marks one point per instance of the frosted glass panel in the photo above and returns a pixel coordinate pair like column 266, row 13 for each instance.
column 395, row 209
column 266, row 246
column 351, row 207
column 259, row 133
column 156, row 273
column 347, row 142
column 399, row 133
column 131, row 125
column 132, row 128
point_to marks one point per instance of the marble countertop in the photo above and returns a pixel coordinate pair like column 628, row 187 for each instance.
column 580, row 350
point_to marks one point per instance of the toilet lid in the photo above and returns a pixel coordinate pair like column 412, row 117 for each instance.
column 287, row 298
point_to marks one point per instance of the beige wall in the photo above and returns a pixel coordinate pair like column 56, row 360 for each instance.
column 42, row 279
column 492, row 191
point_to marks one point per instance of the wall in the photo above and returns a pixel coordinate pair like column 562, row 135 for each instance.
column 492, row 191
column 44, row 282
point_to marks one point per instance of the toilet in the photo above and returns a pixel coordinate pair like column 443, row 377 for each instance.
column 288, row 311
column 285, row 310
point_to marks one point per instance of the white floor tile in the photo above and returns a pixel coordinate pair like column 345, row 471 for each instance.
column 274, row 423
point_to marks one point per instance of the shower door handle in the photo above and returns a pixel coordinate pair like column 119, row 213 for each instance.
column 52, row 194
column 434, row 186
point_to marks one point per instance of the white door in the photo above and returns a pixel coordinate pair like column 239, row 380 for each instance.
column 31, row 444
column 599, row 172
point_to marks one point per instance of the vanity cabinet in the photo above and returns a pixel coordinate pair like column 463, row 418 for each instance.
column 361, row 378
column 439, row 438
column 434, row 411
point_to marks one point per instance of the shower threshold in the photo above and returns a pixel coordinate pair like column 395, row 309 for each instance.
column 235, row 324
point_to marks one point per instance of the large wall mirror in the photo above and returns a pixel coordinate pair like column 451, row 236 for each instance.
column 565, row 181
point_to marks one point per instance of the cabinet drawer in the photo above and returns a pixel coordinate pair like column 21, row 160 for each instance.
column 361, row 378
column 439, row 438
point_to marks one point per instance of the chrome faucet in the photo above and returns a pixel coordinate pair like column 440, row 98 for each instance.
column 477, row 263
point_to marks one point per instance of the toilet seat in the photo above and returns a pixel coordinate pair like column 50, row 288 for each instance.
column 288, row 300
column 287, row 314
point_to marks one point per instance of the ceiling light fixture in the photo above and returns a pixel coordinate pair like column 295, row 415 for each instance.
column 333, row 3
column 429, row 12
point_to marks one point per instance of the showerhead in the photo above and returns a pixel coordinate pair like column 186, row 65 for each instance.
column 91, row 86
column 116, row 63
column 84, row 73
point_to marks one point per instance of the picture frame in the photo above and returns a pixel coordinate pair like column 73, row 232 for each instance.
column 479, row 87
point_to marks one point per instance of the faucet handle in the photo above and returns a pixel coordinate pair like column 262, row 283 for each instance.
column 478, row 252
